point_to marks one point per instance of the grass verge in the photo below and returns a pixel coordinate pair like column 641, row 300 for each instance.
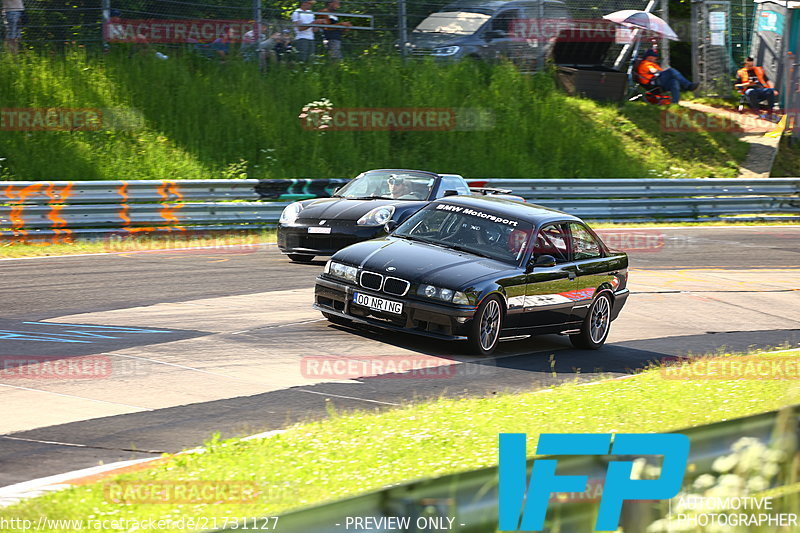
column 192, row 118
column 351, row 453
column 787, row 161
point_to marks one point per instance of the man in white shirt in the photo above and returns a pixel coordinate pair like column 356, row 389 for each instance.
column 13, row 10
column 304, row 34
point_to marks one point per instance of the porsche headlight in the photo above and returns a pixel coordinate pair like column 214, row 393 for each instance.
column 447, row 295
column 377, row 217
column 290, row 212
column 341, row 270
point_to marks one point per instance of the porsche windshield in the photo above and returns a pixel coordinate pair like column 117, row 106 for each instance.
column 452, row 23
column 473, row 230
column 390, row 185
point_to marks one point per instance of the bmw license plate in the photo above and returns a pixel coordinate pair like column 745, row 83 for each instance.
column 319, row 230
column 378, row 304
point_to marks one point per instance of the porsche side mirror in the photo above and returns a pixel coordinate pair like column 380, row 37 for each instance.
column 542, row 261
column 390, row 225
column 450, row 192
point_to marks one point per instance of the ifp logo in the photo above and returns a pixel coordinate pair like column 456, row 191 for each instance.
column 618, row 486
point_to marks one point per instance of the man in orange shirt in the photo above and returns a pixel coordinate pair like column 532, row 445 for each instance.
column 755, row 85
column 670, row 79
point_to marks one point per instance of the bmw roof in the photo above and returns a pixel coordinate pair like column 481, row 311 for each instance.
column 535, row 214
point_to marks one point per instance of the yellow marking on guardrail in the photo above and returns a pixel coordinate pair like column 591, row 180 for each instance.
column 62, row 232
column 167, row 212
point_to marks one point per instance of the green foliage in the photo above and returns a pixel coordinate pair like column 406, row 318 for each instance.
column 188, row 117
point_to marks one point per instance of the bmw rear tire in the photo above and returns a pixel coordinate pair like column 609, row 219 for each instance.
column 596, row 325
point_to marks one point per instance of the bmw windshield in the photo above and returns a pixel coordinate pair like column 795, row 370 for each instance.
column 476, row 231
column 389, row 185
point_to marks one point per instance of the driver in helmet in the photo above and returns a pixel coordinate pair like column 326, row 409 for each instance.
column 516, row 241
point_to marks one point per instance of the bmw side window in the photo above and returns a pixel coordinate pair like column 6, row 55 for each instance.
column 584, row 245
column 552, row 240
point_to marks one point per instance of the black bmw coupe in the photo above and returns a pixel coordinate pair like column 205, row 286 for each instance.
column 359, row 210
column 478, row 269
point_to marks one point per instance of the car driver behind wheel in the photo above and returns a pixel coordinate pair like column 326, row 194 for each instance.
column 400, row 189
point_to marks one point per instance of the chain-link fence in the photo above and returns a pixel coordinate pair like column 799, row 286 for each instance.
column 215, row 28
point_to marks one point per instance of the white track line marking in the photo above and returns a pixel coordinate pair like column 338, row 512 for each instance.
column 348, row 397
column 76, row 397
column 183, row 367
column 278, row 326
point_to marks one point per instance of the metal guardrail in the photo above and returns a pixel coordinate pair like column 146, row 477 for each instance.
column 471, row 497
column 63, row 210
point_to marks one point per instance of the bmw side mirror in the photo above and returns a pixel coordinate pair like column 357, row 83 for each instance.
column 450, row 192
column 495, row 34
column 390, row 225
column 542, row 261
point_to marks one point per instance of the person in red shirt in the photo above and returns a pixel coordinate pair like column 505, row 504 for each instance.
column 650, row 72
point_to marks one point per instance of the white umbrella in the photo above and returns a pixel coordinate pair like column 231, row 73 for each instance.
column 643, row 20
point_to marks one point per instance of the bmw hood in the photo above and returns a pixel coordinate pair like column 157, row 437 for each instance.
column 420, row 262
column 343, row 209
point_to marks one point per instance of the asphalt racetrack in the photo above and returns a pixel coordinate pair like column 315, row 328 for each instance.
column 169, row 347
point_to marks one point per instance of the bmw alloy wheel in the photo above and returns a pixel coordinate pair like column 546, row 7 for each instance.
column 600, row 320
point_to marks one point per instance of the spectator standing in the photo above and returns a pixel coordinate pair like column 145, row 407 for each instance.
column 650, row 72
column 303, row 32
column 333, row 36
column 13, row 11
column 755, row 85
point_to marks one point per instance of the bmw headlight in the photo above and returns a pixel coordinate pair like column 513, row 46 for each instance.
column 446, row 51
column 377, row 217
column 290, row 213
column 341, row 270
column 447, row 295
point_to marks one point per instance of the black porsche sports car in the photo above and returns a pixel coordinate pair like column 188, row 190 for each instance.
column 359, row 210
column 478, row 269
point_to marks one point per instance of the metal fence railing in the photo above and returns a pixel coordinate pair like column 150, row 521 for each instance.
column 71, row 210
column 95, row 22
column 472, row 496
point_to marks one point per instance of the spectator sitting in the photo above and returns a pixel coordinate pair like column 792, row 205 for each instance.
column 650, row 72
column 755, row 85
